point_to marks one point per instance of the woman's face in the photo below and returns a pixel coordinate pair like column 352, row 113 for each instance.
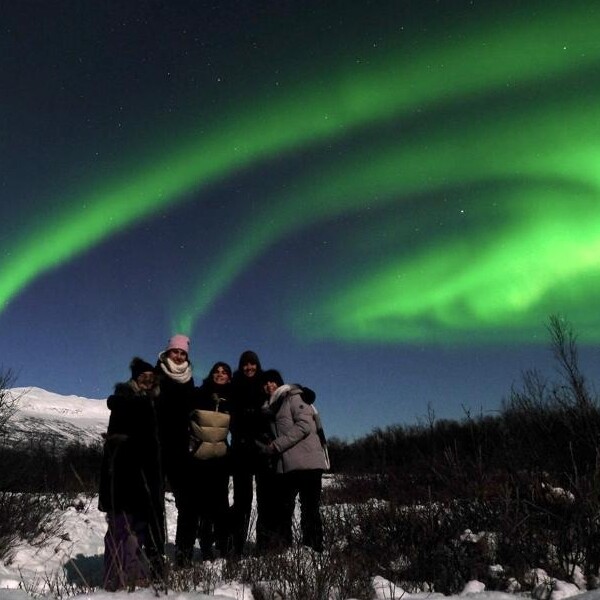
column 177, row 356
column 270, row 387
column 145, row 381
column 249, row 369
column 220, row 376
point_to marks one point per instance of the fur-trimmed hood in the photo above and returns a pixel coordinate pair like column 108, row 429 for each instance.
column 129, row 390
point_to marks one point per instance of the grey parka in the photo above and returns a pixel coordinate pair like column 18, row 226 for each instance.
column 294, row 425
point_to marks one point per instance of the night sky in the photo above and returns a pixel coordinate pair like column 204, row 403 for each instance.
column 385, row 200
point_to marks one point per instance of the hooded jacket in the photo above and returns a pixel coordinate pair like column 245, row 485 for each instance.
column 295, row 425
column 131, row 473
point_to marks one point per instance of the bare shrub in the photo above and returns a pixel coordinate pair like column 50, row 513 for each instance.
column 201, row 577
column 40, row 467
column 555, row 427
column 528, row 476
column 30, row 517
column 301, row 573
column 8, row 400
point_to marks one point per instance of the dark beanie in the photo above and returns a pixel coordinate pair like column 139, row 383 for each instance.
column 139, row 366
column 249, row 356
column 272, row 375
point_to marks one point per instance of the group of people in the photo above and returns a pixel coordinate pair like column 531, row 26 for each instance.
column 164, row 430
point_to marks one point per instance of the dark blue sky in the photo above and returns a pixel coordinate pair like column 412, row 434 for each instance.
column 385, row 201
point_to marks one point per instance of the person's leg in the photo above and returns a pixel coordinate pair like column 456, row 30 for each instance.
column 138, row 566
column 287, row 489
column 113, row 560
column 206, row 503
column 262, row 511
column 242, row 506
column 269, row 502
column 206, row 535
column 154, row 546
column 309, row 486
column 122, row 552
column 222, row 526
column 187, row 525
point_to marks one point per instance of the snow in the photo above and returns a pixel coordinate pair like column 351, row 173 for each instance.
column 473, row 587
column 36, row 402
column 78, row 552
column 64, row 419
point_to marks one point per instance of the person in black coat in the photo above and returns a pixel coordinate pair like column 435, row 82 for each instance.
column 131, row 490
column 174, row 405
column 249, row 426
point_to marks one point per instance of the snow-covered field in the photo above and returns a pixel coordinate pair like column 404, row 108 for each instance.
column 77, row 554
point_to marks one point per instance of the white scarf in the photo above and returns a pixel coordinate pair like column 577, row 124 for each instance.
column 180, row 373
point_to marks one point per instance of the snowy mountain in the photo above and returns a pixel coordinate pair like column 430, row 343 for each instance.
column 56, row 419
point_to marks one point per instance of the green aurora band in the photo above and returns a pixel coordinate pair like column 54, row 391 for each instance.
column 494, row 283
column 498, row 286
column 562, row 41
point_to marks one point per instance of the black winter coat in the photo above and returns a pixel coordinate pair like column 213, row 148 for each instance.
column 131, row 478
column 248, row 423
column 174, row 406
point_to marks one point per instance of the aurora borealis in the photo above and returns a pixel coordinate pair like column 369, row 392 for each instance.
column 381, row 188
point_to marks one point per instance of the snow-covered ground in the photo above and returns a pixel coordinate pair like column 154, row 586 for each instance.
column 77, row 553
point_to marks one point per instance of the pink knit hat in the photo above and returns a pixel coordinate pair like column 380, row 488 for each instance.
column 179, row 342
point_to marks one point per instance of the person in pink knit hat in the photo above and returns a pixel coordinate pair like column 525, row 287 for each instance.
column 174, row 404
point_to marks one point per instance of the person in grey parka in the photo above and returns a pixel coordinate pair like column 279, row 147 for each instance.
column 301, row 457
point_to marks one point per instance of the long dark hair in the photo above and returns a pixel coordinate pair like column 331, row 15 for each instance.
column 209, row 378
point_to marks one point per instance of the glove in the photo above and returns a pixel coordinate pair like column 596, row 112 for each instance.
column 268, row 449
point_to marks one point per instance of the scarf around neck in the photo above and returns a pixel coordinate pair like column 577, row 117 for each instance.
column 179, row 373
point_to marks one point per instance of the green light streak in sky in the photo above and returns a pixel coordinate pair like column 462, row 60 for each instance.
column 512, row 53
column 505, row 285
column 499, row 282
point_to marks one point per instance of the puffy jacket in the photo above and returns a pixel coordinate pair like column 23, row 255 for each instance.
column 209, row 421
column 294, row 426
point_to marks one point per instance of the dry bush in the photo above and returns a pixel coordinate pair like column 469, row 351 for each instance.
column 39, row 467
column 202, row 577
column 300, row 573
column 8, row 401
column 28, row 517
column 31, row 517
column 529, row 477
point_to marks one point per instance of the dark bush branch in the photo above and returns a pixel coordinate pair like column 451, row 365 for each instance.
column 564, row 348
column 8, row 400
